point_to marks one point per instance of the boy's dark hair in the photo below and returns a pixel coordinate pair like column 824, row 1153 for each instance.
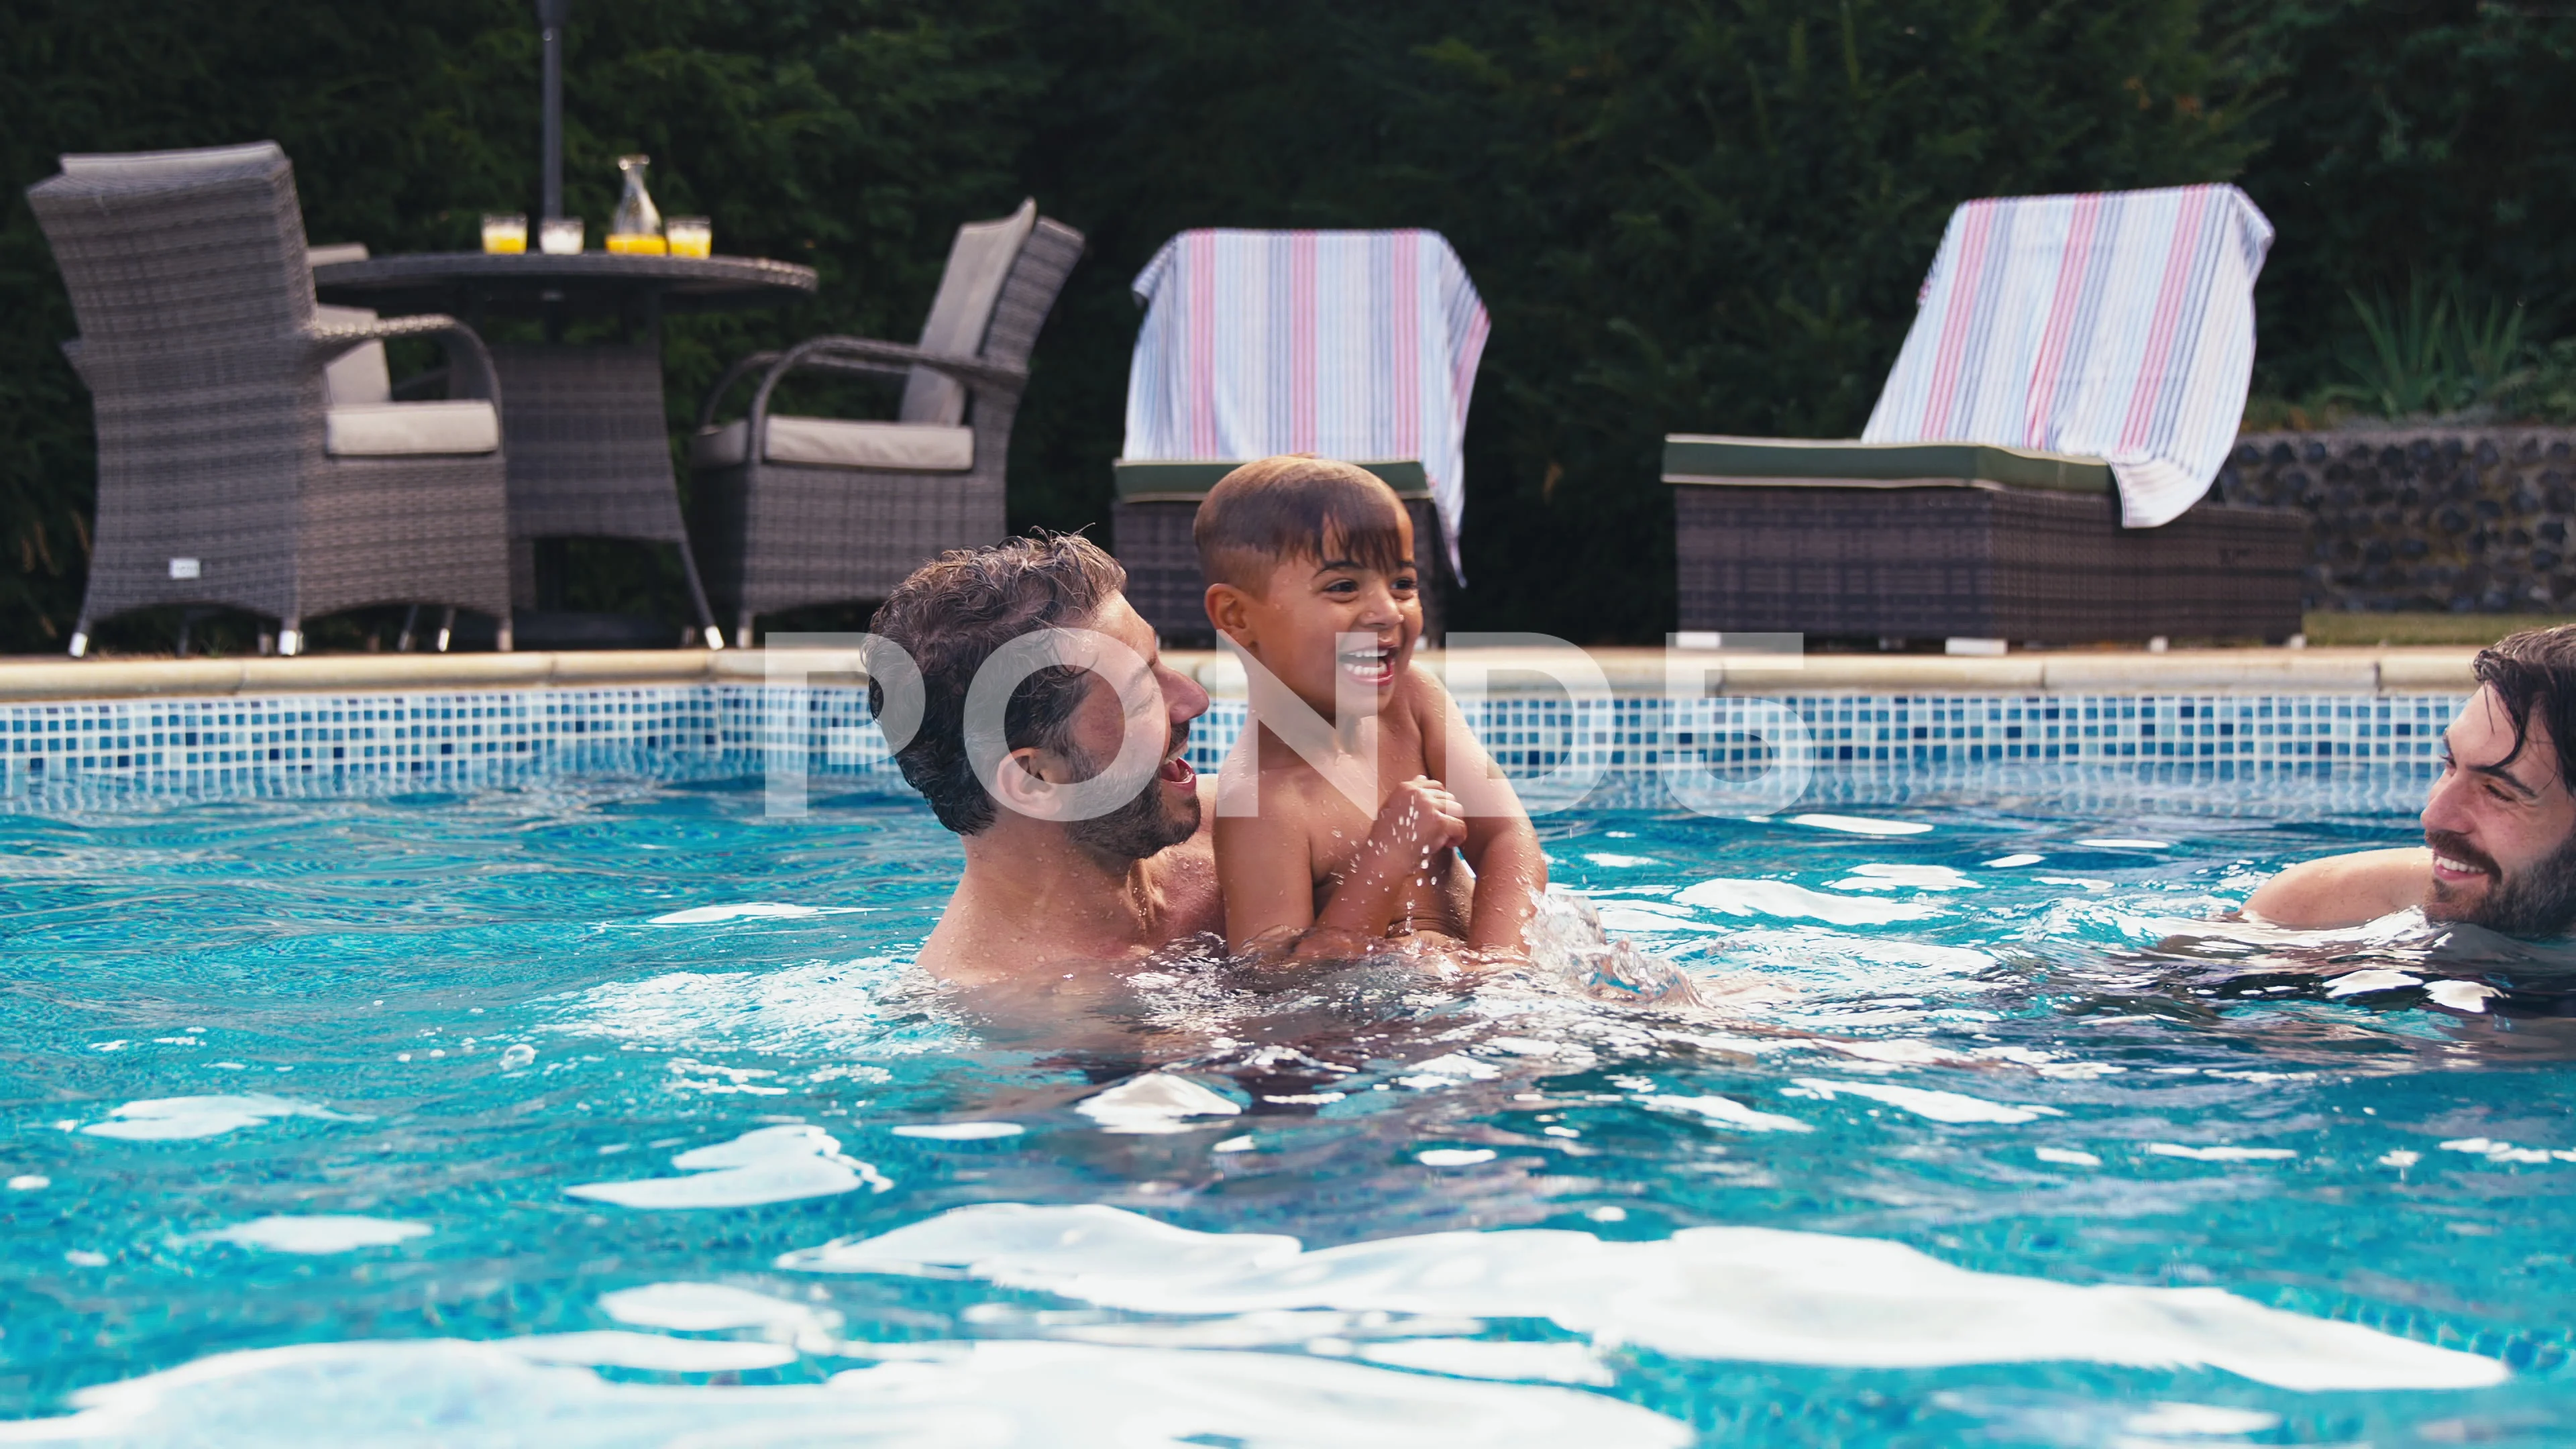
column 2536, row 670
column 950, row 616
column 1297, row 505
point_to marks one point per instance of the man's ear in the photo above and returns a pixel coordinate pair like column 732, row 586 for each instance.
column 1020, row 785
column 1230, row 610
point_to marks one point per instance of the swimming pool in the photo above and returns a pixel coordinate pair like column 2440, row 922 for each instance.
column 602, row 1107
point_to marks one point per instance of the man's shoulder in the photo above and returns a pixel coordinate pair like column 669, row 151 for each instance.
column 2343, row 890
column 1193, row 901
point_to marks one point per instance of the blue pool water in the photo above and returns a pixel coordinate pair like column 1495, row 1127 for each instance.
column 610, row 1111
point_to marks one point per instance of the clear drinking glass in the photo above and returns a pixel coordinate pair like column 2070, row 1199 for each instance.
column 505, row 232
column 560, row 236
column 690, row 236
column 637, row 226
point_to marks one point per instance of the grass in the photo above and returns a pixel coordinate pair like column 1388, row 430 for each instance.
column 2325, row 629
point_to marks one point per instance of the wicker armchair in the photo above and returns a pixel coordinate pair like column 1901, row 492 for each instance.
column 830, row 511
column 225, row 474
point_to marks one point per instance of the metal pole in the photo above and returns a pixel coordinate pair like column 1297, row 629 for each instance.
column 552, row 15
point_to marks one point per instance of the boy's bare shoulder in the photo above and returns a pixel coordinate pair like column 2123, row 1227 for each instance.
column 1290, row 790
column 1423, row 699
column 1422, row 688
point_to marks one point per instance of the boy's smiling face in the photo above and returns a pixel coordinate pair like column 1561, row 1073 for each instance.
column 1293, row 623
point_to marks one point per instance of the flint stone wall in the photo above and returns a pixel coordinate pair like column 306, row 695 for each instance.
column 2472, row 520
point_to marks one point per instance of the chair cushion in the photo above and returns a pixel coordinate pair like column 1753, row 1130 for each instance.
column 1835, row 463
column 832, row 443
column 359, row 376
column 394, row 430
column 978, row 263
column 167, row 165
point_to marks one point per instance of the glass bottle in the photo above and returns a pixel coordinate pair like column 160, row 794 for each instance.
column 637, row 226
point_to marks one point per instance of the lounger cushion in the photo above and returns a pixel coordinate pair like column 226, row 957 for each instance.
column 1830, row 463
column 395, row 430
column 358, row 377
column 833, row 443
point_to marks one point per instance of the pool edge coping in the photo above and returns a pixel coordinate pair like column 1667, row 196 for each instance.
column 1629, row 671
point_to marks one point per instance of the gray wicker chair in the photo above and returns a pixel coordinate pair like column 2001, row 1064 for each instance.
column 833, row 511
column 225, row 474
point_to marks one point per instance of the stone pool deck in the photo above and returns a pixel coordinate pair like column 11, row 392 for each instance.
column 1631, row 672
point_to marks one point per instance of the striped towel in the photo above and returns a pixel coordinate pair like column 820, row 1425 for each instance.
column 2117, row 325
column 1359, row 345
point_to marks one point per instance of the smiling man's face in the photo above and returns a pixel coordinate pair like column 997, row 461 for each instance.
column 2502, row 827
column 1165, row 811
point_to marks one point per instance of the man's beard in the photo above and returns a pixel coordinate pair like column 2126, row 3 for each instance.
column 2534, row 905
column 1143, row 826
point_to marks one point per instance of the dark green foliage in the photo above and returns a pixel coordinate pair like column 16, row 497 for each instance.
column 2398, row 137
column 1706, row 217
column 1692, row 217
column 2433, row 355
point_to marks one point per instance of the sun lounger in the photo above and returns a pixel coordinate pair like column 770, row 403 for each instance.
column 1360, row 346
column 2035, row 467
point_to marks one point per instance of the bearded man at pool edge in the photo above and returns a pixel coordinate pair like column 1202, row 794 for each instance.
column 2499, row 827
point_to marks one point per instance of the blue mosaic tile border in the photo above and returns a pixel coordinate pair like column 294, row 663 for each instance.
column 2346, row 751
column 346, row 744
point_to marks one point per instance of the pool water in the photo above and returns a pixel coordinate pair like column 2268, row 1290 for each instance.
column 610, row 1111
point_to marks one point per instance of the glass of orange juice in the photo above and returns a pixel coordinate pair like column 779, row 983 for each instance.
column 690, row 236
column 505, row 233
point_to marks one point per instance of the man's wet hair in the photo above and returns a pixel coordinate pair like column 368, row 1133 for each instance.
column 2534, row 673
column 950, row 616
column 1297, row 506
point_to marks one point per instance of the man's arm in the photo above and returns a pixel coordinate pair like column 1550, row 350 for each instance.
column 2343, row 890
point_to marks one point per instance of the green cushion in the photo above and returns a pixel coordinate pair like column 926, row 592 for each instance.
column 1690, row 458
column 1189, row 479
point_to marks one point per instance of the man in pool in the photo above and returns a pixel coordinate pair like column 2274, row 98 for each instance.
column 2499, row 828
column 1046, row 903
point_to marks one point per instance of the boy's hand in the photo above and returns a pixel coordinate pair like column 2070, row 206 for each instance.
column 1418, row 818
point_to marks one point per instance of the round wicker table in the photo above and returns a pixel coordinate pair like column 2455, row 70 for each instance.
column 534, row 281
column 586, row 439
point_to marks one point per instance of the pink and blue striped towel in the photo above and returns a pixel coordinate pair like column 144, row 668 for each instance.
column 1359, row 345
column 2117, row 325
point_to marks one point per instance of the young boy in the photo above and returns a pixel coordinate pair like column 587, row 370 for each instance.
column 1302, row 553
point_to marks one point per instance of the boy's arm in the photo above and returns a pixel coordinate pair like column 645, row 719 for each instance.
column 1267, row 877
column 1501, row 845
column 1267, row 872
column 1418, row 820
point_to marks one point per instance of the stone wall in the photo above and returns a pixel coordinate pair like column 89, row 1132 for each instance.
column 2463, row 519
